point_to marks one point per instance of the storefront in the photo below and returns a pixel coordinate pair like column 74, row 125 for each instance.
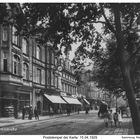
column 53, row 104
column 12, row 100
column 73, row 103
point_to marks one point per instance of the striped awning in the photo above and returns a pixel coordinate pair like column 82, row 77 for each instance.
column 71, row 100
column 55, row 99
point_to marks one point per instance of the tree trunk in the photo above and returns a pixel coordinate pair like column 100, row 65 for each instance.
column 123, row 57
column 131, row 97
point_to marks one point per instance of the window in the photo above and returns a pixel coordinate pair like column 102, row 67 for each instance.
column 63, row 86
column 24, row 46
column 43, row 77
column 5, row 34
column 56, row 62
column 34, row 48
column 14, row 36
column 48, row 56
column 48, row 77
column 66, row 89
column 38, row 52
column 56, row 82
column 52, row 79
column 5, row 65
column 38, row 76
column 16, row 65
column 43, row 54
column 25, row 71
column 5, row 62
column 53, row 58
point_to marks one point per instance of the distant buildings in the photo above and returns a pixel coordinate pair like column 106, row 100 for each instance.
column 87, row 88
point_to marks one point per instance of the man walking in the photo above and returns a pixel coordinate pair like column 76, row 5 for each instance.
column 23, row 113
column 36, row 113
column 115, row 116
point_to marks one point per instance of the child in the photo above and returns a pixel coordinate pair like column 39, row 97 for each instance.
column 119, row 118
column 115, row 117
column 110, row 118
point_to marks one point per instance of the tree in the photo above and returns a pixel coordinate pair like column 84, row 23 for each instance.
column 65, row 23
column 120, row 23
column 106, row 72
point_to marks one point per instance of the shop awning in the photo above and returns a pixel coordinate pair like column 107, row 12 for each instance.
column 87, row 101
column 55, row 99
column 72, row 100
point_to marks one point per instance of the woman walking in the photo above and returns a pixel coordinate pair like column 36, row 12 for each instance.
column 110, row 118
column 119, row 118
column 106, row 118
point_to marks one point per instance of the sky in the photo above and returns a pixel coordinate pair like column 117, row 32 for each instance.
column 75, row 46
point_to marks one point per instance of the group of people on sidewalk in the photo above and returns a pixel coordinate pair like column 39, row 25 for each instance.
column 111, row 118
column 30, row 112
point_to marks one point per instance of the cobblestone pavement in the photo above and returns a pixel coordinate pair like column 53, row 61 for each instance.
column 125, row 129
column 76, row 124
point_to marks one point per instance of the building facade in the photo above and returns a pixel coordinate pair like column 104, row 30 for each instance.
column 15, row 71
column 29, row 75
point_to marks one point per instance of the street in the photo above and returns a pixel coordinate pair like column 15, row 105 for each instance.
column 76, row 124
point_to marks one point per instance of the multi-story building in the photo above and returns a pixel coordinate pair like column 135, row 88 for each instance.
column 68, row 89
column 29, row 74
column 15, row 71
column 69, row 83
column 38, row 77
column 28, row 71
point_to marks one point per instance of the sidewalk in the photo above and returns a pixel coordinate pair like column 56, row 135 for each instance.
column 9, row 121
column 125, row 129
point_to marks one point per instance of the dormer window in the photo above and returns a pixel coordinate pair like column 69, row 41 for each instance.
column 14, row 36
column 24, row 46
column 38, row 52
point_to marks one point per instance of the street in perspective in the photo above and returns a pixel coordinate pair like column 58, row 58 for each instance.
column 75, row 124
column 69, row 69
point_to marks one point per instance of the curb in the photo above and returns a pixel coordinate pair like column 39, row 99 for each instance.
column 65, row 115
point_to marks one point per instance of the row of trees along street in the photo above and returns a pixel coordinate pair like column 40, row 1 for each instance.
column 117, row 64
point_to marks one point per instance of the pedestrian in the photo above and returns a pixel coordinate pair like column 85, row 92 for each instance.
column 115, row 117
column 106, row 116
column 78, row 110
column 86, row 110
column 110, row 118
column 30, row 111
column 36, row 113
column 68, row 110
column 119, row 118
column 23, row 112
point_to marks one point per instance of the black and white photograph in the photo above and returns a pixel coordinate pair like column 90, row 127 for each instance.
column 70, row 68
